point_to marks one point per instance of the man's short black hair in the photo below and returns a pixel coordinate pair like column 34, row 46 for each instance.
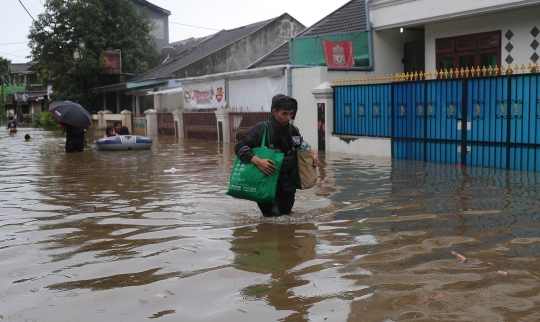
column 116, row 123
column 284, row 102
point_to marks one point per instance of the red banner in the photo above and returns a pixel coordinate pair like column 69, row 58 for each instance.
column 338, row 54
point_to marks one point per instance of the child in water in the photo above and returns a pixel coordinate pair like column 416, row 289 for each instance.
column 27, row 138
column 12, row 125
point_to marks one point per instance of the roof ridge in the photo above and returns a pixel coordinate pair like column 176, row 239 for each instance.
column 200, row 46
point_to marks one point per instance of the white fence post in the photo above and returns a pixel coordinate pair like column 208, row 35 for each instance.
column 151, row 122
column 223, row 126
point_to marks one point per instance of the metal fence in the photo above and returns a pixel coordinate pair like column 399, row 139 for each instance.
column 363, row 110
column 139, row 125
column 200, row 125
column 165, row 123
column 241, row 122
column 483, row 117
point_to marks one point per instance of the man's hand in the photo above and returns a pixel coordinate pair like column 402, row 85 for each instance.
column 316, row 161
column 265, row 165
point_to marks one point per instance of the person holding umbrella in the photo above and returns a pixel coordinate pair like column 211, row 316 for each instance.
column 74, row 137
column 74, row 119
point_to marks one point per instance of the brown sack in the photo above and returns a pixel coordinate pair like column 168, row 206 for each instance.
column 307, row 172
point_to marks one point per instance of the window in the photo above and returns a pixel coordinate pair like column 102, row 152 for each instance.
column 159, row 29
column 469, row 51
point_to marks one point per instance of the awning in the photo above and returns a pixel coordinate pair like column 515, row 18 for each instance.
column 131, row 85
column 274, row 71
column 166, row 91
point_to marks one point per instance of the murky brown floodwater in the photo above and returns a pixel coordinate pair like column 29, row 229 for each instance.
column 111, row 236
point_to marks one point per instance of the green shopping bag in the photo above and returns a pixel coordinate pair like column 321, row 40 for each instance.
column 250, row 183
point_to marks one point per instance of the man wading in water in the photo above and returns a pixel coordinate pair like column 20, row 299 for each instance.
column 284, row 138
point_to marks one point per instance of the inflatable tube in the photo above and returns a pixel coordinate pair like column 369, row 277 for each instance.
column 123, row 143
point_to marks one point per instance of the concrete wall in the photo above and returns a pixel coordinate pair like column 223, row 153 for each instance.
column 241, row 54
column 520, row 22
column 156, row 14
column 169, row 102
column 304, row 80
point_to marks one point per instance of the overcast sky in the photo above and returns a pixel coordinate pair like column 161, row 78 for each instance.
column 211, row 14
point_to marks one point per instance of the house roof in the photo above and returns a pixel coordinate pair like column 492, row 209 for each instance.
column 28, row 96
column 349, row 17
column 131, row 85
column 152, row 6
column 190, row 51
column 22, row 68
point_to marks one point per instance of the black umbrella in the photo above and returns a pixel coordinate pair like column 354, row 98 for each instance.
column 71, row 113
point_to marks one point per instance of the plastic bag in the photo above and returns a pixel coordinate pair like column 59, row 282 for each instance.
column 250, row 183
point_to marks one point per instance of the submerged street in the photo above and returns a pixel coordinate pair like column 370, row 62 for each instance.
column 151, row 235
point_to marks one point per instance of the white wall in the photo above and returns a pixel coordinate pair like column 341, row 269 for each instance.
column 403, row 13
column 520, row 22
column 169, row 101
column 255, row 94
column 364, row 146
column 304, row 80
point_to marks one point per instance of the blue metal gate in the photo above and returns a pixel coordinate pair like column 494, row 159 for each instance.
column 426, row 121
column 364, row 110
column 482, row 121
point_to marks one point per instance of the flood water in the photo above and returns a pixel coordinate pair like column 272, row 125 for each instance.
column 122, row 236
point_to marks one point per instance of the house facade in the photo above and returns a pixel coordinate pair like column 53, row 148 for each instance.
column 27, row 95
column 429, row 36
column 225, row 51
column 403, row 36
column 160, row 17
column 461, row 34
column 423, row 36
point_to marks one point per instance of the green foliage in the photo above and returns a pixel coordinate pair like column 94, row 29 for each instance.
column 4, row 66
column 88, row 27
column 44, row 120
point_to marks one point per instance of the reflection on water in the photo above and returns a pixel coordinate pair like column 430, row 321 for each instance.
column 116, row 236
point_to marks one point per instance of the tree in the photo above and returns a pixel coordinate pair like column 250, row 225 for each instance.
column 4, row 67
column 88, row 27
